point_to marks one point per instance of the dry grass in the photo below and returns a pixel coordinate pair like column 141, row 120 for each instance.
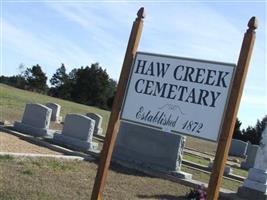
column 14, row 144
column 32, row 178
column 201, row 145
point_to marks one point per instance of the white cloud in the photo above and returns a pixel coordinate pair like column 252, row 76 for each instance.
column 45, row 47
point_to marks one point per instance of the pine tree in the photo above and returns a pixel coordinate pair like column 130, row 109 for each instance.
column 36, row 78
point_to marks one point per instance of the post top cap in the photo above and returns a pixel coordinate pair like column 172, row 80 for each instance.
column 253, row 23
column 141, row 13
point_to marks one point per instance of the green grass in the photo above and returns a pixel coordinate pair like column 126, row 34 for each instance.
column 240, row 172
column 204, row 177
column 205, row 162
column 13, row 101
column 195, row 159
column 27, row 172
column 6, row 157
column 58, row 165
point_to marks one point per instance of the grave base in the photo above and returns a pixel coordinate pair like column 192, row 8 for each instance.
column 152, row 170
column 248, row 193
column 72, row 142
column 57, row 120
column 256, row 180
column 245, row 165
column 27, row 129
column 99, row 133
column 254, row 186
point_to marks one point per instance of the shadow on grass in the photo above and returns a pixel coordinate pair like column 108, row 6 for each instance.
column 162, row 196
column 125, row 170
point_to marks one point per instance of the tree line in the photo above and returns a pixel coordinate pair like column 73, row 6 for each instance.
column 86, row 85
column 252, row 134
column 92, row 86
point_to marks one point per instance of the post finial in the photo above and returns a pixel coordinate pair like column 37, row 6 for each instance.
column 253, row 23
column 141, row 13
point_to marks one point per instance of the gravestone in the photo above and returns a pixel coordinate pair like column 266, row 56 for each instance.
column 35, row 120
column 98, row 122
column 251, row 155
column 255, row 186
column 77, row 133
column 55, row 112
column 148, row 148
column 238, row 148
column 227, row 170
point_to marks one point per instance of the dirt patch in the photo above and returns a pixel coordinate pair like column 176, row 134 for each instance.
column 14, row 144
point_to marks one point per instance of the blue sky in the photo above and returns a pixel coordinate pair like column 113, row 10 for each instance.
column 79, row 33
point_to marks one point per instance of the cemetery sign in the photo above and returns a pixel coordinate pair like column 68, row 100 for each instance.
column 178, row 95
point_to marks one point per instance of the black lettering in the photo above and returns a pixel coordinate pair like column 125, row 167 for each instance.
column 188, row 74
column 209, row 77
column 199, row 75
column 175, row 73
column 150, row 70
column 160, row 89
column 136, row 85
column 149, row 84
column 214, row 98
column 221, row 78
column 171, row 91
column 161, row 69
column 140, row 65
column 202, row 97
column 183, row 88
column 191, row 96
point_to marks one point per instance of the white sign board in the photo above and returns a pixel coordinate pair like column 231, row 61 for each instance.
column 178, row 95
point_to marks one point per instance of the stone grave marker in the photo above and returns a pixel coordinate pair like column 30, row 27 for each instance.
column 98, row 122
column 77, row 132
column 149, row 148
column 35, row 120
column 251, row 155
column 255, row 186
column 227, row 170
column 238, row 148
column 55, row 112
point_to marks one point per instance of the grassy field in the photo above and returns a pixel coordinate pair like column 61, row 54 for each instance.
column 57, row 179
column 13, row 101
column 46, row 179
column 204, row 177
column 205, row 162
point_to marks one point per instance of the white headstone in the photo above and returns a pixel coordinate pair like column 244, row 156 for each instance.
column 35, row 120
column 77, row 132
column 261, row 156
column 55, row 111
column 251, row 155
column 98, row 122
column 256, row 183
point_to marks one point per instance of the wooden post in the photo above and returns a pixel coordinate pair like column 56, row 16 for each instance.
column 231, row 111
column 114, row 123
